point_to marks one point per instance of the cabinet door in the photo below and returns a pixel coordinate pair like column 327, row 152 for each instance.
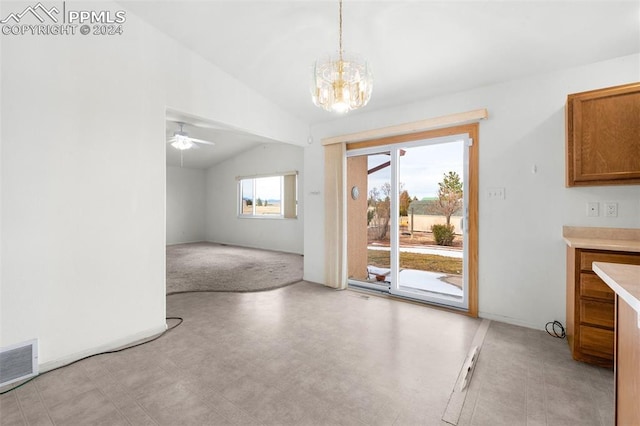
column 594, row 312
column 596, row 341
column 593, row 287
column 587, row 257
column 603, row 136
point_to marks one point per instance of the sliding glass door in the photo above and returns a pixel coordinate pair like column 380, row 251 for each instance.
column 368, row 219
column 407, row 219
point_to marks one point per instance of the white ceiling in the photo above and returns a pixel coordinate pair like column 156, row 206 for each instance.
column 417, row 49
column 228, row 143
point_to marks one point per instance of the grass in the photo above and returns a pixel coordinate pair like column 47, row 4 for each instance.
column 421, row 262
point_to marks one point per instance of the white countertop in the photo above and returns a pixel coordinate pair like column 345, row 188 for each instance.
column 623, row 279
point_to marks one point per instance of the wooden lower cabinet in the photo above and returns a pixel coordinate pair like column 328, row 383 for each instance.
column 627, row 371
column 591, row 305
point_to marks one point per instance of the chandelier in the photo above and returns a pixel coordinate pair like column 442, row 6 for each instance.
column 341, row 82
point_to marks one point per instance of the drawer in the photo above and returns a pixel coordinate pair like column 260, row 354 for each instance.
column 588, row 257
column 596, row 341
column 596, row 313
column 592, row 286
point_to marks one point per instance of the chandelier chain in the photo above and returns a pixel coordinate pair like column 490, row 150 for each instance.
column 341, row 30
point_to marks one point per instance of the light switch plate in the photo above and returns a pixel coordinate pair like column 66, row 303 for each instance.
column 496, row 193
column 593, row 209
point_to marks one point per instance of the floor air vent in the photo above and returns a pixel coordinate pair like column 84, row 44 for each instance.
column 18, row 362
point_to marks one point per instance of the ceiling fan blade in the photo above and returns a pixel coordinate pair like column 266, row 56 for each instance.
column 202, row 142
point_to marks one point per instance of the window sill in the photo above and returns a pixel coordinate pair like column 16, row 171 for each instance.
column 277, row 217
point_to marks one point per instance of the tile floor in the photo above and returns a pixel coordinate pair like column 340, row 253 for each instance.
column 526, row 377
column 308, row 355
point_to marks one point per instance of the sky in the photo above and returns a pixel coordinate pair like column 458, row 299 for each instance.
column 421, row 168
column 267, row 188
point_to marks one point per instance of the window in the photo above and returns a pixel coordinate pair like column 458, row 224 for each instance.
column 268, row 196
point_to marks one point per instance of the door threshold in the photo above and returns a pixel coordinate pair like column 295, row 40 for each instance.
column 385, row 295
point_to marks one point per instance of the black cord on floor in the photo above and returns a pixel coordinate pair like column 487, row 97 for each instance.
column 180, row 321
column 557, row 330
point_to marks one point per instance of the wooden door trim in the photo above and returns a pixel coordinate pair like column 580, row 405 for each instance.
column 472, row 130
column 412, row 127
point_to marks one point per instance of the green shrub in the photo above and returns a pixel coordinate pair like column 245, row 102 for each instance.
column 443, row 234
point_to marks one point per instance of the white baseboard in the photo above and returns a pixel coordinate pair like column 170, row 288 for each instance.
column 509, row 320
column 186, row 242
column 134, row 338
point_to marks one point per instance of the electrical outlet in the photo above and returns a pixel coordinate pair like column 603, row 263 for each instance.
column 496, row 193
column 611, row 209
column 593, row 209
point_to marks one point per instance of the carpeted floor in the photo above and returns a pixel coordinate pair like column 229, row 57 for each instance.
column 216, row 267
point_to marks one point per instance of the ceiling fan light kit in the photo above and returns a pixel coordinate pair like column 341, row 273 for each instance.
column 342, row 82
column 181, row 142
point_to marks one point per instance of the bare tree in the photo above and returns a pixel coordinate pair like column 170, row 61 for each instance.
column 380, row 201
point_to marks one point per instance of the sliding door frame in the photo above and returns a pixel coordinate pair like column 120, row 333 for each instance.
column 472, row 132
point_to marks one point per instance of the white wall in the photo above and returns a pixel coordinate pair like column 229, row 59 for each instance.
column 522, row 254
column 83, row 177
column 223, row 223
column 185, row 205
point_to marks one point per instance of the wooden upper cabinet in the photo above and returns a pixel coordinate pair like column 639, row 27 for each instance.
column 603, row 136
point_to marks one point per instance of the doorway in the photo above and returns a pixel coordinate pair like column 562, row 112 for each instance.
column 409, row 228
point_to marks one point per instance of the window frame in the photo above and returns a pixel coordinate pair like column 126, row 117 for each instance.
column 284, row 199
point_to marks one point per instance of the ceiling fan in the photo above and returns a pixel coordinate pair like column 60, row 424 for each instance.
column 181, row 140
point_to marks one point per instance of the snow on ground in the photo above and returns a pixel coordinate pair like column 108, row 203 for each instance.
column 427, row 281
column 418, row 280
column 424, row 250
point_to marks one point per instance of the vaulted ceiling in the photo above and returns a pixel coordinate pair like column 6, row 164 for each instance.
column 417, row 49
